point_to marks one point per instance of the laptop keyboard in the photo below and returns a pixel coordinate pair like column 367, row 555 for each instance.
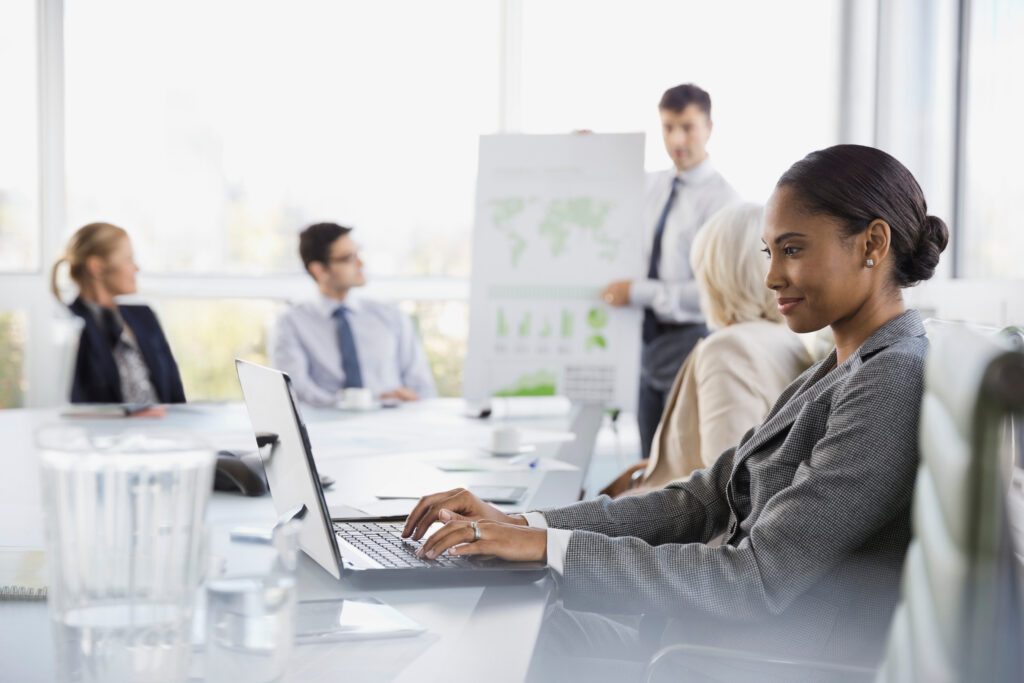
column 384, row 543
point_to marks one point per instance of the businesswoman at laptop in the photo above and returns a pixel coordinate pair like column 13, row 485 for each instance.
column 123, row 355
column 792, row 542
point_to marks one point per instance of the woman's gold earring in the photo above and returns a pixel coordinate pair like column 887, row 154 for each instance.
column 869, row 263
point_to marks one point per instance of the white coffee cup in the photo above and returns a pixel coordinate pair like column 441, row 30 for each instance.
column 357, row 398
column 506, row 440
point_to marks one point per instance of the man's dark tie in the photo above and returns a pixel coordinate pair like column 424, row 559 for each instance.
column 651, row 325
column 349, row 355
column 112, row 327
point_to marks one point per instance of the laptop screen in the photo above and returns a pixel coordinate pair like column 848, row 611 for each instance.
column 288, row 458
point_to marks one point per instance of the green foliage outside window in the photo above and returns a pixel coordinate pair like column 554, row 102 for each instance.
column 12, row 360
column 206, row 335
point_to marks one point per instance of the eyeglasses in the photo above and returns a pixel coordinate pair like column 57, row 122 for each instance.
column 347, row 258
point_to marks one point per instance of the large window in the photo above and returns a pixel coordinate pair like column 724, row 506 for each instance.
column 214, row 131
column 444, row 329
column 206, row 335
column 771, row 69
column 993, row 241
column 19, row 190
column 916, row 89
column 19, row 167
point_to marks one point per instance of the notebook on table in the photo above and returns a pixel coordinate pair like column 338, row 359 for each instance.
column 22, row 574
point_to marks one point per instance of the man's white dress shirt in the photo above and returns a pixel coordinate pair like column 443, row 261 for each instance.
column 304, row 343
column 674, row 297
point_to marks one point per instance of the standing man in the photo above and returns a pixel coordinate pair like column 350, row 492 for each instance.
column 335, row 342
column 678, row 201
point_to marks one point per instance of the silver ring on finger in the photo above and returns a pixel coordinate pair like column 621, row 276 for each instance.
column 476, row 531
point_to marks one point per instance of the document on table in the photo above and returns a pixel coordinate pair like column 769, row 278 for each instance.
column 518, row 463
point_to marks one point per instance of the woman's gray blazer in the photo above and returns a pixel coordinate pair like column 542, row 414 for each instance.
column 814, row 504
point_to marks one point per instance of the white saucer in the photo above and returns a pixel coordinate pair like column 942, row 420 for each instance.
column 356, row 409
column 526, row 448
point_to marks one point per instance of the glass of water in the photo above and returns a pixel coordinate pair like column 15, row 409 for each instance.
column 126, row 549
column 250, row 609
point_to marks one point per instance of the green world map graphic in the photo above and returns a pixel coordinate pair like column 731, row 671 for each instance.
column 559, row 218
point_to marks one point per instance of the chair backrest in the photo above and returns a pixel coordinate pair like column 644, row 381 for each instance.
column 62, row 349
column 959, row 619
column 586, row 423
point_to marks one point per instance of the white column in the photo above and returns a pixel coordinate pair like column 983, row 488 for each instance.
column 510, row 116
column 44, row 364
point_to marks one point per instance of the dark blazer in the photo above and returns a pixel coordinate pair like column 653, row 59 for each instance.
column 814, row 504
column 96, row 378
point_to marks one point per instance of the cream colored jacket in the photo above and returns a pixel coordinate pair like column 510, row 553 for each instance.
column 727, row 385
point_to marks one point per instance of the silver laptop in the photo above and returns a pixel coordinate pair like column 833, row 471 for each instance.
column 362, row 550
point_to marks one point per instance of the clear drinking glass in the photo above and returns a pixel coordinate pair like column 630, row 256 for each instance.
column 250, row 609
column 126, row 548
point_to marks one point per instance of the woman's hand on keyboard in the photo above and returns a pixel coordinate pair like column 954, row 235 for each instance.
column 461, row 503
column 507, row 541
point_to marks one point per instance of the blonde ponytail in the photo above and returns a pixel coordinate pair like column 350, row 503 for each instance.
column 53, row 277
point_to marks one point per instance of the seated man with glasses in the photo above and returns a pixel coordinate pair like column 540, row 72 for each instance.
column 335, row 342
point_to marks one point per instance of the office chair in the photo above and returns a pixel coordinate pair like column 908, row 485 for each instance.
column 586, row 423
column 960, row 619
column 66, row 330
column 960, row 616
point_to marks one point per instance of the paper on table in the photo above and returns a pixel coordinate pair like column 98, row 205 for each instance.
column 521, row 406
column 359, row 618
column 105, row 410
column 351, row 619
column 540, row 436
column 494, row 465
column 390, row 507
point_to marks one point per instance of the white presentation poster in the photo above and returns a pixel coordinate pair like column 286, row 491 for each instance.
column 558, row 217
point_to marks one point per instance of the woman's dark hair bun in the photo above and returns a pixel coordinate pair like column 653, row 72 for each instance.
column 931, row 241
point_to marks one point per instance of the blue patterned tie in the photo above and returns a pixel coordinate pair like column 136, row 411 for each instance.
column 651, row 325
column 347, row 344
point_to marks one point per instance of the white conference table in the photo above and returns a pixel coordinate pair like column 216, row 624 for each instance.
column 472, row 632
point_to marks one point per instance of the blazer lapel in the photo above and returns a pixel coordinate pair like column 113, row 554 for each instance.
column 811, row 391
column 140, row 331
column 100, row 358
column 821, row 380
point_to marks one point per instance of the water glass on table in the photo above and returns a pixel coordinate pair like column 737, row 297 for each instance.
column 250, row 606
column 126, row 549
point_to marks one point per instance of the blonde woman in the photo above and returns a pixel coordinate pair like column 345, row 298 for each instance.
column 123, row 355
column 732, row 378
